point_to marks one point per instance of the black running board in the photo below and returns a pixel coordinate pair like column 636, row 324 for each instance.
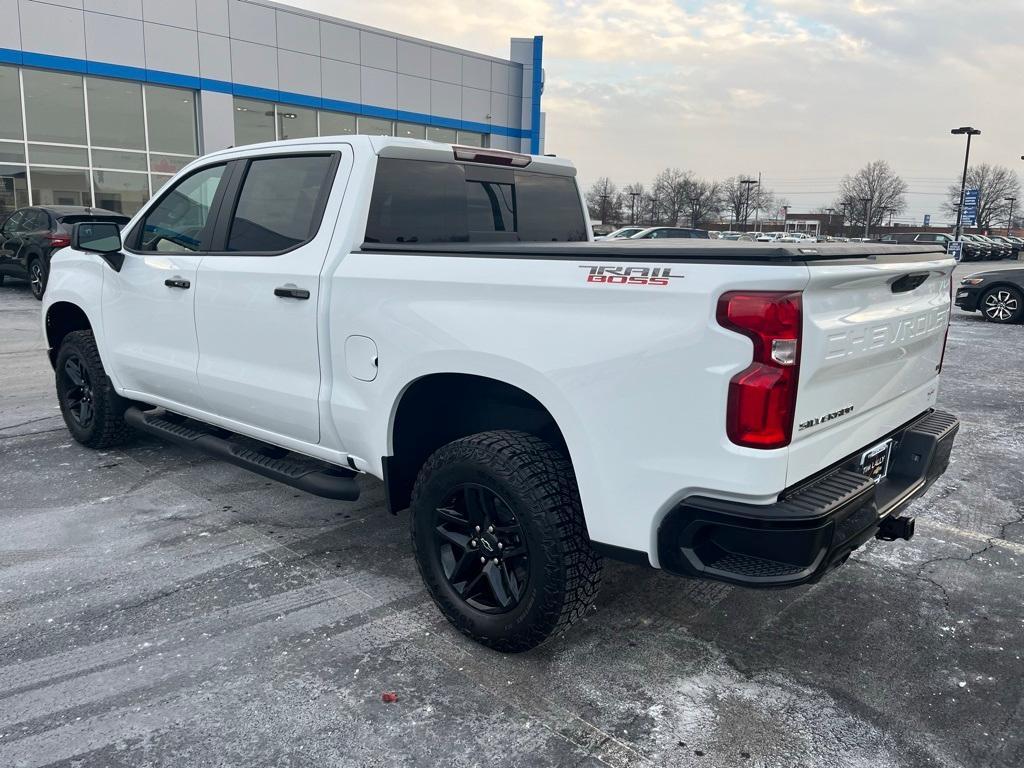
column 318, row 478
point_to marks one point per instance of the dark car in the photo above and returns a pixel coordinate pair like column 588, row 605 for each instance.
column 29, row 236
column 672, row 232
column 970, row 250
column 998, row 295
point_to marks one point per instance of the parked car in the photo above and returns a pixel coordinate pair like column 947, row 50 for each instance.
column 986, row 251
column 769, row 237
column 620, row 234
column 657, row 233
column 970, row 250
column 1000, row 249
column 29, row 236
column 1009, row 242
column 998, row 295
column 535, row 401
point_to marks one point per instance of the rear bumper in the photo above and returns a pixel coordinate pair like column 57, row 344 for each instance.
column 814, row 526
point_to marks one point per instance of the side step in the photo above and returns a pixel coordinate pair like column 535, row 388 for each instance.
column 316, row 477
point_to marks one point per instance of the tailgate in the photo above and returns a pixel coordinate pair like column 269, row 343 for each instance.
column 873, row 336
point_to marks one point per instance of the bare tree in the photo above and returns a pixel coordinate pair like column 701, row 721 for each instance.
column 670, row 190
column 604, row 201
column 994, row 184
column 736, row 199
column 871, row 193
column 633, row 197
column 703, row 201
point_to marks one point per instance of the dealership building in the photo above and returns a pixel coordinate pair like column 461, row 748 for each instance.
column 102, row 100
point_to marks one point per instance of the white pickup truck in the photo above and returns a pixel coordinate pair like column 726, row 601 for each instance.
column 436, row 317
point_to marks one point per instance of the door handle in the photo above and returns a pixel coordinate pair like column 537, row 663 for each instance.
column 177, row 282
column 287, row 292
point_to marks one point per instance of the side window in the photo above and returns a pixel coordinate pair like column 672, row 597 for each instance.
column 415, row 201
column 177, row 222
column 281, row 203
column 927, row 238
column 35, row 221
column 13, row 224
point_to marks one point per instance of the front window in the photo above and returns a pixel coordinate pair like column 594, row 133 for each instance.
column 177, row 223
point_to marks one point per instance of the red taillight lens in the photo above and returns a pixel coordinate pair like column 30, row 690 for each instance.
column 59, row 241
column 762, row 398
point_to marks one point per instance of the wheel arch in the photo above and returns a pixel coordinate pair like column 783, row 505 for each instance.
column 62, row 318
column 472, row 404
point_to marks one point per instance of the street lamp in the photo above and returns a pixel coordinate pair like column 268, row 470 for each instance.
column 867, row 216
column 1009, row 219
column 746, row 205
column 632, row 207
column 968, row 131
column 829, row 211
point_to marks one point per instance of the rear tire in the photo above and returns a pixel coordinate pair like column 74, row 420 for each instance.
column 92, row 410
column 37, row 277
column 528, row 572
column 1002, row 304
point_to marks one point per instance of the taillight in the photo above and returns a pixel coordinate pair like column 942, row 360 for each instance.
column 58, row 240
column 762, row 397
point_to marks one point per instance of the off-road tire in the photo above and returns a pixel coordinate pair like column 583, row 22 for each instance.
column 107, row 427
column 538, row 485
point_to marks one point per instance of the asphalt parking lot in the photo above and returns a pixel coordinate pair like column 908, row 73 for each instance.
column 161, row 608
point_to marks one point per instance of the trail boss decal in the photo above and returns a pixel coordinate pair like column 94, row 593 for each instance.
column 629, row 275
column 826, row 418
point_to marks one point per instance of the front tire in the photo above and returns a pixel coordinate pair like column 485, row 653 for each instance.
column 500, row 539
column 1003, row 304
column 37, row 277
column 92, row 410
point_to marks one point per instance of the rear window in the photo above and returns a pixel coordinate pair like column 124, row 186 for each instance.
column 416, row 201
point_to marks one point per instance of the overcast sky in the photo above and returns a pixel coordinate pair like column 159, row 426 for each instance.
column 803, row 91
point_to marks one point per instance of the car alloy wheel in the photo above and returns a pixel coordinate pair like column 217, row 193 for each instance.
column 36, row 278
column 1001, row 305
column 79, row 395
column 481, row 548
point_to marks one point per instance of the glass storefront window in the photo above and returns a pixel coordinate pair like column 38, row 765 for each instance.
column 10, row 104
column 158, row 181
column 295, row 122
column 115, row 114
column 411, row 131
column 254, row 122
column 55, row 186
column 337, row 124
column 10, row 152
column 168, row 163
column 374, row 126
column 46, row 154
column 444, row 135
column 112, row 158
column 54, row 107
column 13, row 188
column 470, row 139
column 120, row 191
column 171, row 115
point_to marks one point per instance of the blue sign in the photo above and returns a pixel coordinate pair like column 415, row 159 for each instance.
column 927, row 219
column 970, row 215
column 954, row 249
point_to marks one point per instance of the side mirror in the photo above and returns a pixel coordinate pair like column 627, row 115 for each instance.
column 99, row 237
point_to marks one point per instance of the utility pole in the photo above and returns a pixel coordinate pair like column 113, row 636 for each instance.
column 785, row 216
column 1009, row 219
column 867, row 217
column 828, row 227
column 632, row 207
column 757, row 209
column 969, row 131
column 746, row 205
column 604, row 208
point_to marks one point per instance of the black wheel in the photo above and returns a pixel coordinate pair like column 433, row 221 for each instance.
column 37, row 277
column 92, row 410
column 1003, row 304
column 500, row 539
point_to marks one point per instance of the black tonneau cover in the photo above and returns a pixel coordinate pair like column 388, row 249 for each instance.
column 678, row 250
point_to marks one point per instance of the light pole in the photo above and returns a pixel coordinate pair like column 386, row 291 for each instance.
column 785, row 216
column 829, row 211
column 968, row 131
column 746, row 205
column 604, row 208
column 632, row 207
column 867, row 217
column 1009, row 219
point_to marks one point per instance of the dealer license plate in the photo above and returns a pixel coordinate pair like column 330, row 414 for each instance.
column 874, row 462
